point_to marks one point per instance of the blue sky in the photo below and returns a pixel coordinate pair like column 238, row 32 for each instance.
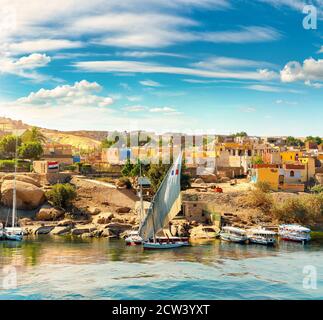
column 213, row 66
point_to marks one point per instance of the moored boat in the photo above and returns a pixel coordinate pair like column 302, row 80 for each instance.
column 13, row 234
column 233, row 234
column 262, row 236
column 133, row 239
column 164, row 207
column 294, row 232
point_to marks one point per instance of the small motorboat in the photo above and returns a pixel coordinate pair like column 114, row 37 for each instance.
column 233, row 234
column 13, row 234
column 1, row 232
column 262, row 236
column 294, row 232
column 133, row 239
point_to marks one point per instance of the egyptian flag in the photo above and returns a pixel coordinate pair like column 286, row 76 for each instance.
column 53, row 165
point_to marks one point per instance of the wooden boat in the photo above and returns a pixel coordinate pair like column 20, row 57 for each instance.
column 294, row 232
column 164, row 206
column 233, row 234
column 204, row 232
column 262, row 236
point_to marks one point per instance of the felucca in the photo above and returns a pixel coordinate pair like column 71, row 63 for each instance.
column 164, row 207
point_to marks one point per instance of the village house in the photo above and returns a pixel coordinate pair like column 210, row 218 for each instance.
column 61, row 153
column 287, row 177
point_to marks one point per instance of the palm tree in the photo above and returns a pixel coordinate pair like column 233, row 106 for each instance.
column 34, row 135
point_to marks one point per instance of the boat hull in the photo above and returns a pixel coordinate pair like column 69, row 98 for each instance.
column 265, row 242
column 233, row 238
column 161, row 245
column 295, row 239
column 14, row 234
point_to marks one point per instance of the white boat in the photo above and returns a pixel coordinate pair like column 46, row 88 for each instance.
column 1, row 231
column 164, row 207
column 294, row 232
column 133, row 239
column 262, row 236
column 14, row 233
column 233, row 234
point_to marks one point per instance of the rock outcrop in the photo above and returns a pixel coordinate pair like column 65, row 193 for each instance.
column 29, row 196
column 22, row 178
column 47, row 213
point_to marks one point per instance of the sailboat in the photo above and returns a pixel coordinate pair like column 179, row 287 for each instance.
column 14, row 233
column 164, row 206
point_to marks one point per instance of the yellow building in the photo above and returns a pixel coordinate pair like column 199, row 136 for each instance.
column 290, row 156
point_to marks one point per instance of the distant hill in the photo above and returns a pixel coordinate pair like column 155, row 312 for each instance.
column 78, row 139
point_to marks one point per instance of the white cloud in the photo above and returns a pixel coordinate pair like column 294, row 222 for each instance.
column 41, row 45
column 245, row 35
column 79, row 94
column 281, row 101
column 25, row 65
column 216, row 63
column 136, row 108
column 145, row 54
column 316, row 85
column 248, row 109
column 165, row 111
column 264, row 88
column 142, row 67
column 311, row 69
column 150, row 83
column 134, row 98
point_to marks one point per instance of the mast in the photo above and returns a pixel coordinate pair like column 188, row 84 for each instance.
column 141, row 196
column 14, row 197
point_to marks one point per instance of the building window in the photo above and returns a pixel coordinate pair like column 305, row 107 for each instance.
column 292, row 174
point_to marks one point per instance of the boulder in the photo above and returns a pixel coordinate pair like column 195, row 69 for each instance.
column 117, row 228
column 82, row 229
column 86, row 235
column 103, row 218
column 22, row 178
column 29, row 196
column 66, row 223
column 61, row 230
column 108, row 233
column 49, row 214
column 123, row 210
column 93, row 211
column 44, row 230
column 25, row 222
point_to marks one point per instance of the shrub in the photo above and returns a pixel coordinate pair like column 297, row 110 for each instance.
column 317, row 189
column 258, row 199
column 301, row 209
column 263, row 186
column 124, row 182
column 61, row 195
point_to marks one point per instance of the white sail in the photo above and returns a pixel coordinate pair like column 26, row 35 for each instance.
column 166, row 203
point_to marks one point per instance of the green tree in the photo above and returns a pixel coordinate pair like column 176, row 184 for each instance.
column 241, row 134
column 34, row 135
column 61, row 195
column 8, row 146
column 294, row 142
column 127, row 168
column 257, row 160
column 30, row 150
column 316, row 140
column 156, row 174
column 106, row 143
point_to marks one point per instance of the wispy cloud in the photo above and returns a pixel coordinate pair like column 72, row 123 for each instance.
column 150, row 83
column 264, row 88
column 143, row 67
column 145, row 54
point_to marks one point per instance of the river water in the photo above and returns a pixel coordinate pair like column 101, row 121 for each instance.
column 64, row 268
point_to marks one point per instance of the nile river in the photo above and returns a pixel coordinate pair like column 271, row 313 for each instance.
column 63, row 268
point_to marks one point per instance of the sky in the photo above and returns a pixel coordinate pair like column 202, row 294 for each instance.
column 194, row 66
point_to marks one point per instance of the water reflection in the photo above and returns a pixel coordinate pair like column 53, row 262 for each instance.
column 67, row 250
